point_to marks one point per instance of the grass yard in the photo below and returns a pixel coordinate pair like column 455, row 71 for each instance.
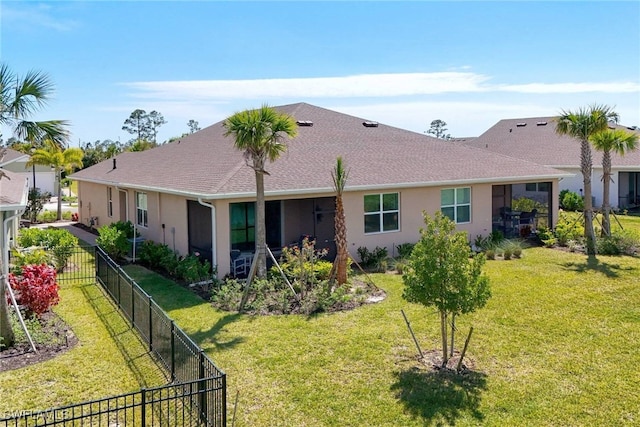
column 108, row 359
column 556, row 345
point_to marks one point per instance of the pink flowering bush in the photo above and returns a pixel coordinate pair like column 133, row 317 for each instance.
column 36, row 288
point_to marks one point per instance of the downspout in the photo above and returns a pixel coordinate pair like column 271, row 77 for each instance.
column 214, row 257
column 5, row 273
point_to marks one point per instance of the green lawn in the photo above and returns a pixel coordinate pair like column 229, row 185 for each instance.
column 109, row 358
column 556, row 345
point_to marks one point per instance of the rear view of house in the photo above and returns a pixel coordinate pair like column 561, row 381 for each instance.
column 197, row 194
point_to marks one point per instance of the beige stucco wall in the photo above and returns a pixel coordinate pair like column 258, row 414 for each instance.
column 171, row 210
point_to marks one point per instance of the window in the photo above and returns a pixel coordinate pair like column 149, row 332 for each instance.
column 537, row 186
column 142, row 218
column 109, row 201
column 381, row 213
column 456, row 204
column 243, row 226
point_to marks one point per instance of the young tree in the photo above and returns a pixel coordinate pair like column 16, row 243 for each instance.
column 439, row 130
column 155, row 121
column 442, row 272
column 260, row 134
column 582, row 125
column 618, row 141
column 339, row 176
column 60, row 161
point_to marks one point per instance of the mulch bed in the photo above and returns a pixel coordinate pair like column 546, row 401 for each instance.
column 21, row 355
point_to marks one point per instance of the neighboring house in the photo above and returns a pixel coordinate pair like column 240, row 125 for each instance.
column 16, row 161
column 197, row 194
column 14, row 192
column 535, row 139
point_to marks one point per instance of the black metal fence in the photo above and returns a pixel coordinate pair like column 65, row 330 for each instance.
column 197, row 395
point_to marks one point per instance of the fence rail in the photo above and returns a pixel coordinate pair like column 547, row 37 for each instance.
column 197, row 394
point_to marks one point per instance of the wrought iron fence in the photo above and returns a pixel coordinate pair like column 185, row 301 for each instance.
column 197, row 395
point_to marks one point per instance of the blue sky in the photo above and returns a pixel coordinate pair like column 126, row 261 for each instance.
column 399, row 63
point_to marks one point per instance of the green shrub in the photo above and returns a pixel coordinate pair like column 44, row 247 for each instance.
column 154, row 254
column 35, row 204
column 620, row 242
column 228, row 296
column 47, row 216
column 490, row 254
column 57, row 240
column 404, row 250
column 571, row 201
column 113, row 241
column 568, row 228
column 126, row 227
column 507, row 252
column 20, row 258
column 191, row 270
column 524, row 204
column 376, row 258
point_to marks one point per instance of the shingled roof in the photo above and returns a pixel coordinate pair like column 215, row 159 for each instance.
column 206, row 163
column 12, row 155
column 13, row 191
column 535, row 139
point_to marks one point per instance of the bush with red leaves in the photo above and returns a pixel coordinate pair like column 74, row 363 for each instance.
column 36, row 288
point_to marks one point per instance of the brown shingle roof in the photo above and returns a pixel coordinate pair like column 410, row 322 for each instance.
column 541, row 144
column 12, row 155
column 206, row 163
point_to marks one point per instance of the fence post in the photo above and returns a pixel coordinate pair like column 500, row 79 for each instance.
column 150, row 301
column 119, row 295
column 202, row 389
column 143, row 407
column 133, row 306
column 173, row 351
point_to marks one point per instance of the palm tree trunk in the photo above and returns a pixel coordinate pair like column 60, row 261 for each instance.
column 586, row 167
column 342, row 255
column 6, row 332
column 443, row 331
column 261, row 232
column 606, row 181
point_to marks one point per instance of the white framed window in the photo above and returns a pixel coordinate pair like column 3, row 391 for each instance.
column 109, row 202
column 381, row 213
column 456, row 204
column 142, row 214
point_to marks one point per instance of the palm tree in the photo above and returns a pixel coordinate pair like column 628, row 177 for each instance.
column 340, row 175
column 20, row 98
column 260, row 134
column 582, row 125
column 617, row 141
column 60, row 161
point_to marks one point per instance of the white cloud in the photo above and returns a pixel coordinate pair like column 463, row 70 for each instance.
column 27, row 16
column 360, row 86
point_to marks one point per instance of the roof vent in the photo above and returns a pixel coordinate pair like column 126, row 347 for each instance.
column 307, row 123
column 633, row 127
column 114, row 163
column 541, row 124
column 370, row 124
column 521, row 124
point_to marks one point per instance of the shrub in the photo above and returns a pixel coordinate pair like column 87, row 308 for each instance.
column 126, row 227
column 24, row 257
column 36, row 288
column 376, row 258
column 57, row 240
column 35, row 204
column 571, row 201
column 112, row 241
column 154, row 254
column 404, row 250
column 304, row 265
column 490, row 254
column 620, row 242
column 568, row 228
column 191, row 270
column 507, row 252
column 228, row 296
column 524, row 204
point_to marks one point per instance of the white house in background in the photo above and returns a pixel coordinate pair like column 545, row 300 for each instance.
column 16, row 161
column 535, row 139
column 197, row 195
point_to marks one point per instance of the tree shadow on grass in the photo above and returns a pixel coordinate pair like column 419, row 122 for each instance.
column 594, row 264
column 210, row 336
column 440, row 396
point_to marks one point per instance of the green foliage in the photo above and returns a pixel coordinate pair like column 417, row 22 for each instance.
column 404, row 250
column 571, row 201
column 375, row 259
column 512, row 247
column 52, row 216
column 112, row 241
column 191, row 270
column 304, row 265
column 31, row 256
column 126, row 227
column 525, row 204
column 160, row 257
column 155, row 255
column 228, row 296
column 57, row 240
column 621, row 242
column 546, row 236
column 568, row 228
column 492, row 241
column 35, row 204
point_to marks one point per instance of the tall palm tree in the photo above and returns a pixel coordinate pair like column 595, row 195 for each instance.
column 60, row 161
column 20, row 98
column 582, row 125
column 260, row 134
column 617, row 141
column 339, row 176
